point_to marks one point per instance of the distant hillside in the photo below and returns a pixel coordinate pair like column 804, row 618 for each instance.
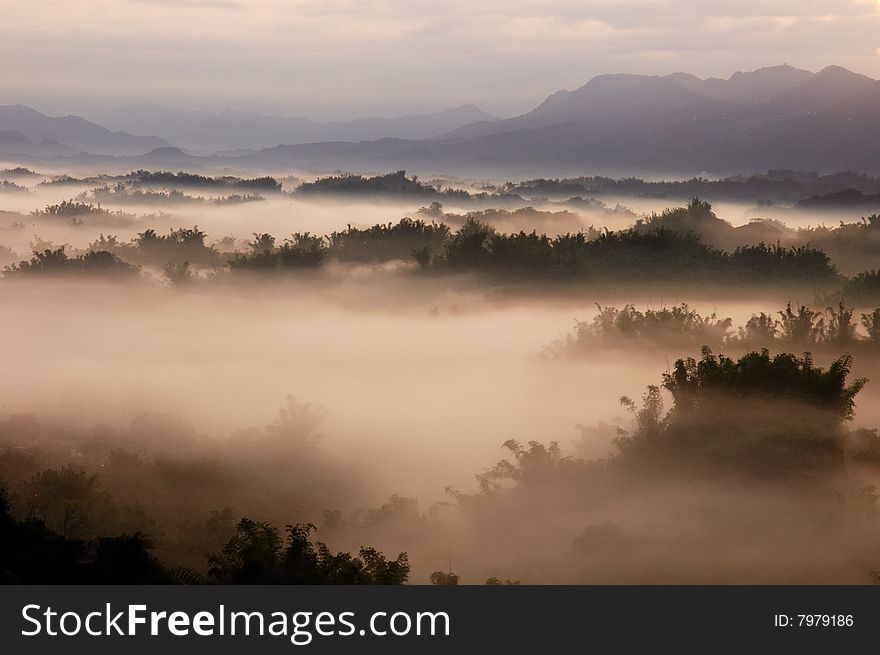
column 68, row 133
column 16, row 143
column 779, row 117
column 614, row 125
column 232, row 130
column 674, row 125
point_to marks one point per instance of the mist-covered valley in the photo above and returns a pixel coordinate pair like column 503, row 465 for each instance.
column 457, row 369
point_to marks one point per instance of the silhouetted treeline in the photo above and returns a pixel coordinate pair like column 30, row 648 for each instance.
column 864, row 287
column 632, row 255
column 182, row 178
column 30, row 553
column 799, row 327
column 152, row 248
column 398, row 184
column 760, row 414
column 384, row 242
column 764, row 415
column 851, row 246
column 6, row 186
column 256, row 554
column 842, row 198
column 551, row 222
column 171, row 179
column 133, row 193
column 238, row 198
column 627, row 256
column 81, row 492
column 746, row 477
column 80, row 212
column 300, row 251
column 71, row 208
column 804, row 188
column 677, row 245
column 18, row 171
column 120, row 193
column 56, row 262
column 623, row 256
column 773, row 186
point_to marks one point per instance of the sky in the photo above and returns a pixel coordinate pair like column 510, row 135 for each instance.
column 340, row 59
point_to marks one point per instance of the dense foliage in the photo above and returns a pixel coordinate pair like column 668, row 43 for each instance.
column 257, row 555
column 772, row 186
column 397, row 183
column 759, row 415
column 681, row 326
column 56, row 262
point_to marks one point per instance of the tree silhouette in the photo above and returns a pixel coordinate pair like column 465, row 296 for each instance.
column 442, row 578
column 760, row 415
column 257, row 554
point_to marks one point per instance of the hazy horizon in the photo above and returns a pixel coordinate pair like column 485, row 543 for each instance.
column 341, row 60
column 99, row 114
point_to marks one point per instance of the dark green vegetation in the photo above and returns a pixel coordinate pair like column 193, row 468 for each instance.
column 679, row 326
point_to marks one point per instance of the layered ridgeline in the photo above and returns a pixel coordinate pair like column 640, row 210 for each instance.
column 777, row 117
column 25, row 131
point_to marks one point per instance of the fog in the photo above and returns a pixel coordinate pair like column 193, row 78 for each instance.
column 400, row 383
column 441, row 389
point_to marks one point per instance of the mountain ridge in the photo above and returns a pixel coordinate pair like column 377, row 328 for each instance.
column 248, row 130
column 777, row 117
column 73, row 131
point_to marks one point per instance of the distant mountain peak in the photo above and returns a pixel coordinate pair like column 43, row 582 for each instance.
column 73, row 132
column 773, row 117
